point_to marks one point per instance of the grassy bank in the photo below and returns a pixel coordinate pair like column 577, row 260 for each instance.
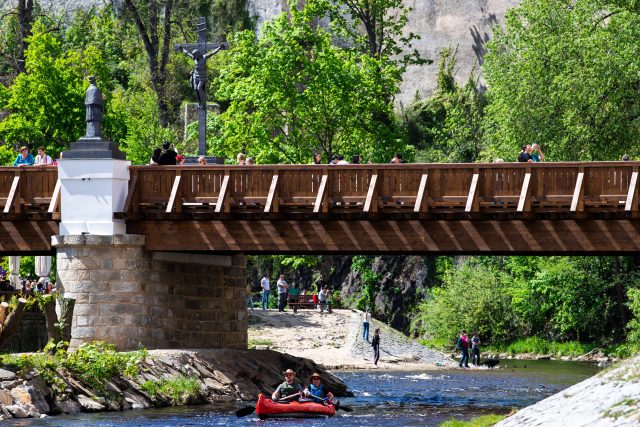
column 483, row 421
column 540, row 347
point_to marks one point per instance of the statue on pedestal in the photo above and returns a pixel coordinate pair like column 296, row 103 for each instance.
column 94, row 105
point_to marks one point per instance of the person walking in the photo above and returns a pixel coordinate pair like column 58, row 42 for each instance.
column 463, row 345
column 375, row 343
column 475, row 349
column 366, row 319
column 282, row 292
column 264, row 284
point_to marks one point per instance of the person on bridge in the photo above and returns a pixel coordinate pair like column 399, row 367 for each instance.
column 282, row 292
column 536, row 153
column 316, row 389
column 463, row 345
column 25, row 158
column 289, row 387
column 168, row 156
column 264, row 284
column 43, row 158
column 525, row 154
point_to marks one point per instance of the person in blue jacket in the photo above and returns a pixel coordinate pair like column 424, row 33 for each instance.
column 316, row 389
column 25, row 158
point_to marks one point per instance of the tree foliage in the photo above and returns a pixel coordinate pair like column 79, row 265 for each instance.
column 292, row 92
column 564, row 74
column 448, row 126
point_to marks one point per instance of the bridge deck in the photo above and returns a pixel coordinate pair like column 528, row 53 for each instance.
column 565, row 208
column 410, row 208
column 507, row 190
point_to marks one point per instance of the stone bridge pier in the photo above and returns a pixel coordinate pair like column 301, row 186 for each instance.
column 133, row 298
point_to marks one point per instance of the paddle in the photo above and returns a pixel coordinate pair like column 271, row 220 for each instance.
column 336, row 404
column 248, row 410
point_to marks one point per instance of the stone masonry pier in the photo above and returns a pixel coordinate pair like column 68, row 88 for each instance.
column 131, row 297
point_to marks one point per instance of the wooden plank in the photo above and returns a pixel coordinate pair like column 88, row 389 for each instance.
column 522, row 201
column 632, row 195
column 322, row 193
column 421, row 205
column 577, row 201
column 12, row 194
column 472, row 198
column 174, row 192
column 272, row 198
column 131, row 191
column 55, row 198
column 222, row 197
column 371, row 202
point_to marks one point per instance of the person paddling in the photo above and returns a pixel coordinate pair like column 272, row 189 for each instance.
column 316, row 390
column 289, row 387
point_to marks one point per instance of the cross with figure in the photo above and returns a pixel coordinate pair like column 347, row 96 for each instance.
column 200, row 52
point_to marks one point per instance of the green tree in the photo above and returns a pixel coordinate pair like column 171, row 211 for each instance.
column 565, row 75
column 448, row 126
column 45, row 104
column 292, row 92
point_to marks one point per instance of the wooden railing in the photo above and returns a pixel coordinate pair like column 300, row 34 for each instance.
column 495, row 188
column 29, row 190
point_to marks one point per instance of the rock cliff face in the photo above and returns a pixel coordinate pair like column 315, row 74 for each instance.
column 440, row 23
column 403, row 283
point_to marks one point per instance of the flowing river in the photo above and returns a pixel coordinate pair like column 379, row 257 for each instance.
column 384, row 399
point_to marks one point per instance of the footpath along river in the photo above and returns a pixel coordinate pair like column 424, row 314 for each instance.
column 382, row 399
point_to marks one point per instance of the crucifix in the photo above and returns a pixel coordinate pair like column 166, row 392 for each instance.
column 200, row 52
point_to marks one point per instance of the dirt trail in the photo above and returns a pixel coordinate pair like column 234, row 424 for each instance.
column 335, row 340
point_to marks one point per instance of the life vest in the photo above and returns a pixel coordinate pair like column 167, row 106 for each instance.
column 317, row 391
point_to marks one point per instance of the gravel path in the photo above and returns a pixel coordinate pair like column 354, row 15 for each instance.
column 335, row 340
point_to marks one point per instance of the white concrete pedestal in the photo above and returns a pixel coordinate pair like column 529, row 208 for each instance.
column 91, row 191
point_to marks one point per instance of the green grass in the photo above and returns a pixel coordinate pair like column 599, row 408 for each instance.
column 257, row 341
column 441, row 344
column 535, row 345
column 483, row 421
column 176, row 391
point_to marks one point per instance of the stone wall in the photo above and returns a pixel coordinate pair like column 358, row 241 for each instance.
column 131, row 298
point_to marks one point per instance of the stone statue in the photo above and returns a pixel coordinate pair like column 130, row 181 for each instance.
column 95, row 110
column 198, row 77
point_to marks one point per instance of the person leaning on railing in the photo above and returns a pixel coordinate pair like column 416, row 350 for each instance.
column 25, row 158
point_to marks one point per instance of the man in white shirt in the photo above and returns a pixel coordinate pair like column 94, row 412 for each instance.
column 366, row 320
column 282, row 292
column 42, row 158
column 264, row 284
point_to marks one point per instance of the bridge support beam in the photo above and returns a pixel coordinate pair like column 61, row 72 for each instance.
column 131, row 297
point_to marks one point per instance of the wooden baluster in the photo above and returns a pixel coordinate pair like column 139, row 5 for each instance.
column 473, row 204
column 175, row 193
column 371, row 202
column 222, row 205
column 272, row 203
column 421, row 204
column 524, row 203
column 322, row 199
column 55, row 199
column 14, row 194
column 577, row 201
column 631, row 204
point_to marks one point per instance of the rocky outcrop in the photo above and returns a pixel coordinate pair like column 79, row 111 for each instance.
column 224, row 375
column 610, row 399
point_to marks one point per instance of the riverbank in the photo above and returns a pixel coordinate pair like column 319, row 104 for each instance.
column 161, row 378
column 611, row 398
column 335, row 341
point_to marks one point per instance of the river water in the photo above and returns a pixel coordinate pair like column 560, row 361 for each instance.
column 382, row 399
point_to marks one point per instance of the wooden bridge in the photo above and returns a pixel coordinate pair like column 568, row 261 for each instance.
column 503, row 208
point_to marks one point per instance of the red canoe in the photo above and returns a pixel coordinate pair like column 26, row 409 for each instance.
column 267, row 408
